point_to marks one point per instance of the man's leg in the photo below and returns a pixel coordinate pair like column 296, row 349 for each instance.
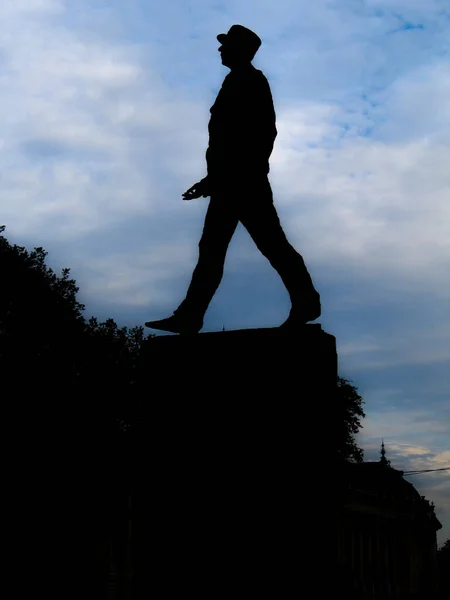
column 220, row 223
column 259, row 216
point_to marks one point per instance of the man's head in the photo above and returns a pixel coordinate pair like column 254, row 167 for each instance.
column 238, row 46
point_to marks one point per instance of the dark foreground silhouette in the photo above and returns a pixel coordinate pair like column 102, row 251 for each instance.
column 207, row 464
column 242, row 133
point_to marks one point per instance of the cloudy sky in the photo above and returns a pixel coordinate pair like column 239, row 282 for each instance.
column 105, row 106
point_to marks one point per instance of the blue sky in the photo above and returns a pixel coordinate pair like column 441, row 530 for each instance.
column 105, row 108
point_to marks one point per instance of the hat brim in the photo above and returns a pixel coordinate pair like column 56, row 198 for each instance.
column 222, row 38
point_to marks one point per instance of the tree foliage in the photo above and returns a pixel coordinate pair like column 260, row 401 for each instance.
column 47, row 346
column 348, row 420
column 67, row 391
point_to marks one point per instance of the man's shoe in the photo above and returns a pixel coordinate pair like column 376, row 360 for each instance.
column 302, row 314
column 177, row 324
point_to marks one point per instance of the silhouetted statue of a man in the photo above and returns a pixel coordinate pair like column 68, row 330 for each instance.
column 242, row 133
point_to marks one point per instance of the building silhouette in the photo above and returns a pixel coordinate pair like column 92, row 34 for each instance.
column 385, row 536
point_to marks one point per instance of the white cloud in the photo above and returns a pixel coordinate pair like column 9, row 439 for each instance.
column 140, row 278
column 90, row 134
column 23, row 8
column 416, row 105
column 408, row 427
column 413, row 5
column 378, row 203
column 426, row 343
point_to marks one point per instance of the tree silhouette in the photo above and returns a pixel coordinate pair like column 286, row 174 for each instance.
column 445, row 549
column 349, row 413
column 44, row 335
column 67, row 393
column 34, row 304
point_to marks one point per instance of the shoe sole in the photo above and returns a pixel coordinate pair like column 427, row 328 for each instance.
column 184, row 331
column 298, row 322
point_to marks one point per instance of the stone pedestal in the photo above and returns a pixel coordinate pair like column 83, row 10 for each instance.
column 235, row 432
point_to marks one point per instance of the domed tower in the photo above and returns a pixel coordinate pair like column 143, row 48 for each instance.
column 383, row 459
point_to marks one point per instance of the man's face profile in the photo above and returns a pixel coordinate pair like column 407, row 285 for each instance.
column 231, row 55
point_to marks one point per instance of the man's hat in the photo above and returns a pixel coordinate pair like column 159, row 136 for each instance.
column 242, row 38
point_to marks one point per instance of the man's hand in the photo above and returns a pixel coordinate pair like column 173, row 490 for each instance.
column 198, row 189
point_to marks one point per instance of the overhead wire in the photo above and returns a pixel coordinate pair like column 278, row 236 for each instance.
column 425, row 471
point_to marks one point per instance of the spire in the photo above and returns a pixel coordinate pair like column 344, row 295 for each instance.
column 383, row 459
